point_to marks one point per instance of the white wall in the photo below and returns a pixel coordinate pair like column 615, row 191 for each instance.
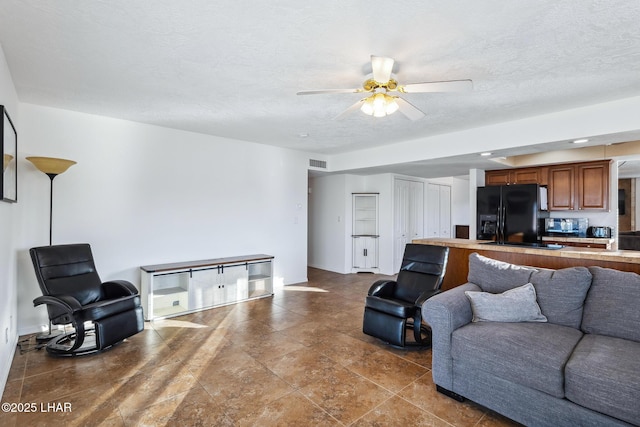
column 599, row 119
column 330, row 244
column 143, row 194
column 460, row 203
column 9, row 225
column 329, row 223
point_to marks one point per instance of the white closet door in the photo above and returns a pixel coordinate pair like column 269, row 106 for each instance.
column 401, row 220
column 445, row 211
column 416, row 202
column 433, row 210
column 438, row 210
column 408, row 216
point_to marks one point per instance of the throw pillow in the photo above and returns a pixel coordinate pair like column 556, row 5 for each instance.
column 561, row 294
column 497, row 276
column 515, row 305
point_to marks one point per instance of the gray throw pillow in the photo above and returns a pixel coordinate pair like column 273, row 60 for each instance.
column 515, row 305
column 497, row 276
column 561, row 294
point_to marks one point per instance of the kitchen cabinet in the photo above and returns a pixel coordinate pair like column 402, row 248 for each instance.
column 571, row 186
column 534, row 175
column 579, row 186
column 364, row 235
column 174, row 289
column 593, row 185
column 561, row 189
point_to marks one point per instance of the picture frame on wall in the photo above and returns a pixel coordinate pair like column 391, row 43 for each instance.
column 9, row 148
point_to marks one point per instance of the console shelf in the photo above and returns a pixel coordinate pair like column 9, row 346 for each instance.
column 173, row 289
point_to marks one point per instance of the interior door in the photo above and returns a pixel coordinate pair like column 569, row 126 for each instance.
column 445, row 211
column 408, row 214
column 401, row 220
column 433, row 210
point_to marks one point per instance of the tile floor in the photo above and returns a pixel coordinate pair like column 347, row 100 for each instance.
column 298, row 358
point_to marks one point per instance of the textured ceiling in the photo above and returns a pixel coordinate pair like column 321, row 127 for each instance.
column 232, row 67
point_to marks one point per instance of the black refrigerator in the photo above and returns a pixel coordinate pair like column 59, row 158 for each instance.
column 510, row 213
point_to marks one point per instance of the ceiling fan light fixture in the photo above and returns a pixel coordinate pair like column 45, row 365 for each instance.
column 379, row 105
column 391, row 106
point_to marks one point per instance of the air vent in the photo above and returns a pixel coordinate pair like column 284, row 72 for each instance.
column 318, row 163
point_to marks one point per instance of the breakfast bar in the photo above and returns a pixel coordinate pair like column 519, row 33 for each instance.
column 460, row 249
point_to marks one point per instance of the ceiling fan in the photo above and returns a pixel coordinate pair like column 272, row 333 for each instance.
column 380, row 103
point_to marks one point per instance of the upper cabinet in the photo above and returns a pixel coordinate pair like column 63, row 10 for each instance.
column 561, row 189
column 536, row 175
column 571, row 186
column 592, row 180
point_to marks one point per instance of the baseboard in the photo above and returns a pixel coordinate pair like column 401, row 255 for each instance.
column 6, row 364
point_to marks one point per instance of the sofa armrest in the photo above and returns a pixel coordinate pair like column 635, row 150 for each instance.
column 445, row 313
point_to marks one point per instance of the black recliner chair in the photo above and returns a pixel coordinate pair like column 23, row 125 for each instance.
column 392, row 307
column 74, row 294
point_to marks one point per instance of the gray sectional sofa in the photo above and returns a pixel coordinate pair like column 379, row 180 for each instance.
column 579, row 367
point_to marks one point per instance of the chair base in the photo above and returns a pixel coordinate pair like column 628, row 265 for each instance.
column 425, row 339
column 61, row 345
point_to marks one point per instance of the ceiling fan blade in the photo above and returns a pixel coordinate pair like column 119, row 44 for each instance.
column 409, row 109
column 349, row 110
column 321, row 91
column 444, row 86
column 382, row 68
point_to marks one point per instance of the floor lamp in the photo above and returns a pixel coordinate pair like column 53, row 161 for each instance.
column 52, row 167
column 6, row 160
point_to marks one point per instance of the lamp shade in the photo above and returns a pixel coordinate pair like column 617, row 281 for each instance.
column 51, row 165
column 379, row 105
column 6, row 161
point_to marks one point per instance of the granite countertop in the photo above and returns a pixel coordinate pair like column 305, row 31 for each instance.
column 565, row 252
column 594, row 240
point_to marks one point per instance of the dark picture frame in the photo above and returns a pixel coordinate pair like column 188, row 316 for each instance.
column 9, row 148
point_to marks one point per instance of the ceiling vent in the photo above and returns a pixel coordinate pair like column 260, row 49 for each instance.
column 318, row 163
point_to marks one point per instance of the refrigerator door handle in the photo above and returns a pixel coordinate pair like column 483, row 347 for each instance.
column 504, row 220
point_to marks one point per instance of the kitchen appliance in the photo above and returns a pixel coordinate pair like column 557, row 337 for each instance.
column 566, row 227
column 511, row 213
column 599, row 232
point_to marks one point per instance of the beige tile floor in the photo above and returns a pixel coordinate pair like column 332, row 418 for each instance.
column 298, row 358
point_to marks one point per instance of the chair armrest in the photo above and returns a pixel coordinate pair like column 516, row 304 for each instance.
column 67, row 303
column 118, row 288
column 382, row 288
column 445, row 313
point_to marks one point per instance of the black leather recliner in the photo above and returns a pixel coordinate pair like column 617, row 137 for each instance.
column 74, row 294
column 392, row 307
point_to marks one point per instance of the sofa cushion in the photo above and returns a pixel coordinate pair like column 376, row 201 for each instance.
column 561, row 294
column 603, row 374
column 496, row 276
column 515, row 305
column 530, row 354
column 612, row 304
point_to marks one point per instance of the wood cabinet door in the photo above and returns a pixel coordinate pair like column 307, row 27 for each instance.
column 593, row 185
column 561, row 187
column 498, row 177
column 525, row 176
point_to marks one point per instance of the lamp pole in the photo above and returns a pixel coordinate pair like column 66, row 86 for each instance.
column 52, row 167
column 51, row 176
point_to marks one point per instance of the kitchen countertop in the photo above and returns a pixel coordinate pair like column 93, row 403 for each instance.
column 624, row 256
column 593, row 240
